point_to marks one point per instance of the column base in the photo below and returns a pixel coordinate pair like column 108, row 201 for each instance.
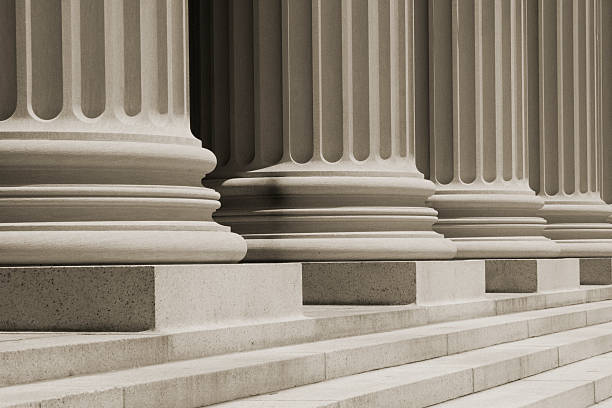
column 506, row 247
column 332, row 218
column 531, row 275
column 146, row 297
column 596, row 271
column 392, row 283
column 118, row 243
column 344, row 247
column 585, row 247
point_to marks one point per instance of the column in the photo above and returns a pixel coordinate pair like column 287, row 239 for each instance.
column 97, row 162
column 604, row 54
column 313, row 124
column 570, row 127
column 479, row 130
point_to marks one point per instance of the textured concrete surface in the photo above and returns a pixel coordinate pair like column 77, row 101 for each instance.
column 133, row 298
column 393, row 282
column 531, row 275
column 595, row 271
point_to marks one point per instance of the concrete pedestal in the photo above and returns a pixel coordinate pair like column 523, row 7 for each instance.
column 531, row 275
column 596, row 271
column 146, row 297
column 392, row 283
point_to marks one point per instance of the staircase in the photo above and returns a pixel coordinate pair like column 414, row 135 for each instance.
column 534, row 350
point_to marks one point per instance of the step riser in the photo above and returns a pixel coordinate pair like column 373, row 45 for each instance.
column 22, row 367
column 205, row 389
column 60, row 361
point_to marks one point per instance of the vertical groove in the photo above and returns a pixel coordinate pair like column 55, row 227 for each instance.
column 114, row 65
column 241, row 84
column 604, row 88
column 565, row 84
column 535, row 168
column 419, row 57
column 176, row 59
column 298, row 115
column 374, row 78
column 93, row 92
column 406, row 74
column 582, row 67
column 132, row 79
column 347, row 80
column 8, row 63
column 162, row 57
column 549, row 75
column 47, row 81
column 397, row 131
column 384, row 78
column 487, row 84
column 506, row 87
column 268, row 85
column 406, row 78
column 464, row 88
column 360, row 79
column 440, row 88
column 329, row 67
column 219, row 45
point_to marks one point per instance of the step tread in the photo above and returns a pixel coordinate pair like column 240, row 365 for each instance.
column 408, row 345
column 580, row 384
column 189, row 378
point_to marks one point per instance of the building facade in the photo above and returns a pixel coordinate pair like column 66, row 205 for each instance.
column 228, row 176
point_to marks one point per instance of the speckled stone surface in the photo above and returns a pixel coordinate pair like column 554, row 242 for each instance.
column 135, row 298
column 392, row 282
column 359, row 283
column 596, row 271
column 531, row 275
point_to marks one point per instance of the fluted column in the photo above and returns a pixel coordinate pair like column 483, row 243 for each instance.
column 315, row 137
column 604, row 55
column 478, row 129
column 97, row 162
column 570, row 86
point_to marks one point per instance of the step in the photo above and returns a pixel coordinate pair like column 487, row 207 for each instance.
column 335, row 364
column 603, row 404
column 427, row 383
column 29, row 357
column 577, row 385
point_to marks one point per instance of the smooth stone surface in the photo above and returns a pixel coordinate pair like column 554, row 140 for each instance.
column 134, row 298
column 595, row 271
column 392, row 283
column 531, row 275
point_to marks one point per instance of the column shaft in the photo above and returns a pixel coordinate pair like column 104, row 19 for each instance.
column 479, row 129
column 570, row 127
column 315, row 137
column 97, row 163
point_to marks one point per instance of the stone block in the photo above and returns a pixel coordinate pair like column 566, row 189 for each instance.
column 531, row 275
column 134, row 298
column 392, row 282
column 596, row 271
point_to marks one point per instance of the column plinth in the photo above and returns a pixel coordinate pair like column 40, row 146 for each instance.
column 97, row 162
column 478, row 130
column 316, row 139
column 571, row 127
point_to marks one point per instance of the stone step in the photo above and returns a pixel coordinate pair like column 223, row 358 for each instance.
column 29, row 357
column 603, row 404
column 576, row 385
column 206, row 381
column 426, row 383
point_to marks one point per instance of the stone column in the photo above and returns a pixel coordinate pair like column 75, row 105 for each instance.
column 478, row 130
column 570, row 129
column 604, row 55
column 314, row 128
column 97, row 162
